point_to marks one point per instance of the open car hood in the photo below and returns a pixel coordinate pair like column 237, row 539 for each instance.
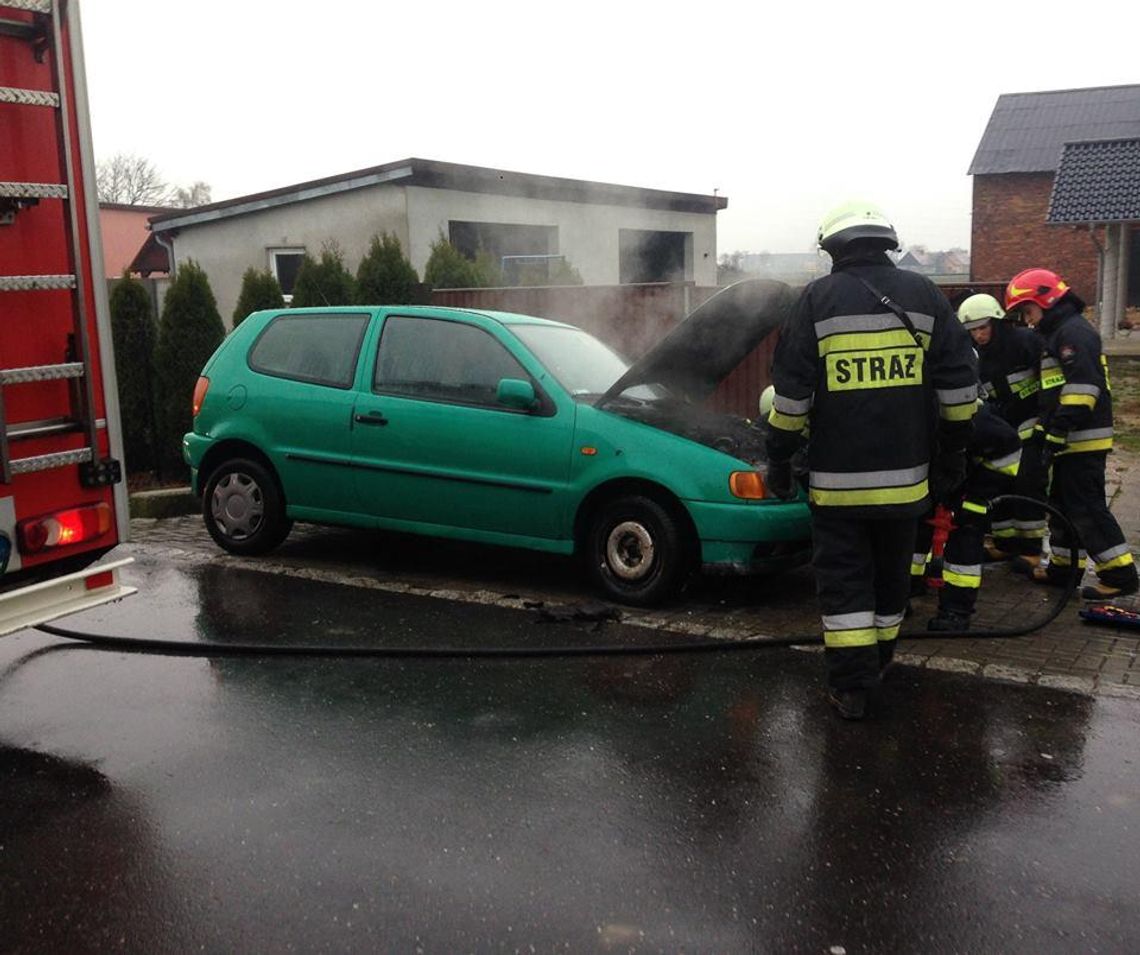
column 708, row 344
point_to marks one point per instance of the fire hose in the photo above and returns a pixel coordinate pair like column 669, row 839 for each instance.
column 193, row 648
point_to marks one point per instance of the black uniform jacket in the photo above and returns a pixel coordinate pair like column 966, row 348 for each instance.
column 847, row 363
column 1076, row 404
column 1010, row 369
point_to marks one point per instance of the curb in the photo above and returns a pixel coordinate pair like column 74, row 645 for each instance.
column 164, row 502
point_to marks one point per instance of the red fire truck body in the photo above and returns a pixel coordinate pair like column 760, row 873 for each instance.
column 62, row 500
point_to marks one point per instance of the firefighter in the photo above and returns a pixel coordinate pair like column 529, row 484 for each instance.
column 1009, row 361
column 1076, row 426
column 865, row 355
column 995, row 454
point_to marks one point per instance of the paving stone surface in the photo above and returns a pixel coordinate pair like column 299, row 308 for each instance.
column 1068, row 652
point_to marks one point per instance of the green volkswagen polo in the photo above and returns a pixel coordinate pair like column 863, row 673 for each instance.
column 496, row 428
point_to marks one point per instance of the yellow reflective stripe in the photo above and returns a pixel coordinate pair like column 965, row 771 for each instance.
column 1100, row 444
column 1052, row 380
column 918, row 570
column 863, row 637
column 1055, row 438
column 1122, row 561
column 1010, row 469
column 975, row 507
column 888, row 633
column 786, row 422
column 866, row 341
column 958, row 412
column 968, row 581
column 1089, row 401
column 906, row 494
column 1005, row 532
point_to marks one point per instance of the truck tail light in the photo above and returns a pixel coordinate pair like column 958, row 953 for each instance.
column 63, row 528
column 200, row 390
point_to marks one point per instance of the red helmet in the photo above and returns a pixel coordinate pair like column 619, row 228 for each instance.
column 1040, row 286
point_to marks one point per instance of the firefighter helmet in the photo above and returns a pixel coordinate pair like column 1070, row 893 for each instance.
column 767, row 397
column 855, row 220
column 1039, row 286
column 979, row 309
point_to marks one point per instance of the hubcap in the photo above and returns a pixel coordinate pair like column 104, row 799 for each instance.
column 237, row 506
column 629, row 551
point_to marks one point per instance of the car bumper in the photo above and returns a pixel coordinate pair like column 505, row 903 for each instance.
column 752, row 538
column 193, row 450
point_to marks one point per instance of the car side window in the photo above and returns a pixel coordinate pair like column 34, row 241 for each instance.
column 442, row 361
column 317, row 348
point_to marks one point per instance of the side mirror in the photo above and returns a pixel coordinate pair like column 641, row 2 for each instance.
column 516, row 393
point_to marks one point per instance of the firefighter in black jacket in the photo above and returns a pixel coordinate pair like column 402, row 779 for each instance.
column 866, row 354
column 995, row 455
column 1076, row 422
column 1009, row 364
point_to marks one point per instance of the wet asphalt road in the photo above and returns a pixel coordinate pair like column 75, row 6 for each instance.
column 702, row 803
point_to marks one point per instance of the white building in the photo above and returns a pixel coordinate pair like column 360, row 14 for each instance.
column 611, row 234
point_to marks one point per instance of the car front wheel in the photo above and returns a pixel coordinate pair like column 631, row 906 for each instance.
column 243, row 509
column 636, row 551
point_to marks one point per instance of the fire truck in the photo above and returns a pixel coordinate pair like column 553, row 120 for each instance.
column 63, row 503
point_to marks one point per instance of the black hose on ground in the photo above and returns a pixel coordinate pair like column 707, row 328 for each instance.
column 190, row 648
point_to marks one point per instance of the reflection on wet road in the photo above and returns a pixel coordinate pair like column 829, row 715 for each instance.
column 654, row 804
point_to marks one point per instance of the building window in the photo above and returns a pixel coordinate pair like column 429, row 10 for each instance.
column 646, row 256
column 285, row 264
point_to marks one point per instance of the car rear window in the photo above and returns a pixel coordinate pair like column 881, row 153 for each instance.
column 321, row 348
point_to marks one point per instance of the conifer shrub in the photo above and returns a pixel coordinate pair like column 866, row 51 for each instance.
column 259, row 289
column 188, row 333
column 385, row 276
column 324, row 281
column 133, row 333
column 447, row 267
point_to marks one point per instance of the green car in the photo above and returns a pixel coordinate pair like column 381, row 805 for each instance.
column 496, row 428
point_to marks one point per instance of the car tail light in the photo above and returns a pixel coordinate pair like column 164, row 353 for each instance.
column 746, row 484
column 63, row 528
column 200, row 390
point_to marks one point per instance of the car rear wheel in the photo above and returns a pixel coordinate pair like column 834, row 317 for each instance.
column 243, row 509
column 637, row 550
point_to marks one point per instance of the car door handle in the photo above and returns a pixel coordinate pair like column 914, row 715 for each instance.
column 373, row 417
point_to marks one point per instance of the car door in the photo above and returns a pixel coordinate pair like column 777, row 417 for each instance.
column 302, row 397
column 433, row 446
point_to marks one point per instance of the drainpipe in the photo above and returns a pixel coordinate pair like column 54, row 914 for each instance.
column 169, row 246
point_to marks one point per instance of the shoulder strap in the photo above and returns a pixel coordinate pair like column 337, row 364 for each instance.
column 893, row 306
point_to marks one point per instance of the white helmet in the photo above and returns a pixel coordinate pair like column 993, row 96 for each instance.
column 978, row 310
column 855, row 220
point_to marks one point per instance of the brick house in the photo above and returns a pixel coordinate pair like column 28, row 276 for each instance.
column 1015, row 170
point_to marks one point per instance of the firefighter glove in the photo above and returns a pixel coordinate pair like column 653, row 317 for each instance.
column 947, row 475
column 779, row 480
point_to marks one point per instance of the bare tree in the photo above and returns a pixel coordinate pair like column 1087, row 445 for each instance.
column 129, row 179
column 195, row 195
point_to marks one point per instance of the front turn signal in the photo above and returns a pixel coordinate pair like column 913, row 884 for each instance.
column 746, row 484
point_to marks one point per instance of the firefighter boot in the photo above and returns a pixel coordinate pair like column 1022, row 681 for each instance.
column 850, row 704
column 1025, row 564
column 1102, row 591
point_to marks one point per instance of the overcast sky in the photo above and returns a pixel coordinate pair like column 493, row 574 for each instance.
column 786, row 109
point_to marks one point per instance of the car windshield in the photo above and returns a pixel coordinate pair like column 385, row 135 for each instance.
column 583, row 365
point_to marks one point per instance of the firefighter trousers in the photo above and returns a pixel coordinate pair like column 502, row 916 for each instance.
column 862, row 573
column 1077, row 491
column 1018, row 527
